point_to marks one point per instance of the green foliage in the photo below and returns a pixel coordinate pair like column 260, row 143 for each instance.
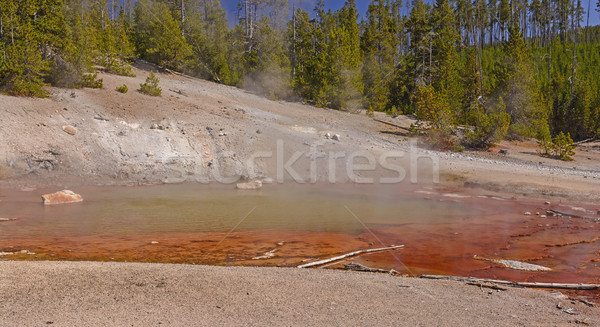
column 489, row 129
column 91, row 81
column 157, row 36
column 545, row 140
column 150, row 87
column 435, row 118
column 563, row 147
column 122, row 89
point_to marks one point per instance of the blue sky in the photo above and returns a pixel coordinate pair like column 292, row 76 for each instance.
column 231, row 5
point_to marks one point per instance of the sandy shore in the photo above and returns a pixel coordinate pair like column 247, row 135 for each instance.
column 134, row 294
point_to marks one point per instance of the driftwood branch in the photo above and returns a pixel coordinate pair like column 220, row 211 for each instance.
column 586, row 141
column 347, row 255
column 516, row 284
column 487, row 285
column 390, row 124
column 359, row 267
column 559, row 213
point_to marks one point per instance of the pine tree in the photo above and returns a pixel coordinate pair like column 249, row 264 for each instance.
column 158, row 40
column 33, row 35
column 519, row 89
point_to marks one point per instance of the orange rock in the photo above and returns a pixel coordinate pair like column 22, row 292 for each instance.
column 70, row 129
column 64, row 196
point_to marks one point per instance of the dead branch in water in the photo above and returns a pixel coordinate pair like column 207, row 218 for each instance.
column 556, row 212
column 359, row 267
column 488, row 285
column 347, row 255
column 516, row 284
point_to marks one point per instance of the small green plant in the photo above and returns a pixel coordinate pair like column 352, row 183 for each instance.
column 370, row 112
column 489, row 129
column 91, row 81
column 545, row 140
column 150, row 87
column 123, row 88
column 561, row 147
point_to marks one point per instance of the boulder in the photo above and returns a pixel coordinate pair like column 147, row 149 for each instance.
column 253, row 185
column 61, row 197
column 70, row 129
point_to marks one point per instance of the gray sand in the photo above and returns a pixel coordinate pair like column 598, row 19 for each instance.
column 133, row 294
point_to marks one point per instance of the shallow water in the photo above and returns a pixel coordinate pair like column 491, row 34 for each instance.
column 285, row 225
column 202, row 208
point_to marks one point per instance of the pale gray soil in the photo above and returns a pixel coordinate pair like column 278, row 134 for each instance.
column 120, row 294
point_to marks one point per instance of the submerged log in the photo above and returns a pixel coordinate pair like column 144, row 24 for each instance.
column 347, row 255
column 516, row 284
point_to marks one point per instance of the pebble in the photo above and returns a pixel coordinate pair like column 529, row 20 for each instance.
column 336, row 137
column 154, row 242
column 527, row 213
column 327, row 136
column 543, row 216
column 547, row 202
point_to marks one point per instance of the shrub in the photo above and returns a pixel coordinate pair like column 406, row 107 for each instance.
column 123, row 88
column 89, row 80
column 435, row 119
column 150, row 87
column 489, row 129
column 545, row 140
column 563, row 147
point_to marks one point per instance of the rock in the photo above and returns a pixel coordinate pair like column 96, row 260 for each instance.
column 543, row 216
column 336, row 137
column 154, row 126
column 69, row 129
column 537, row 213
column 598, row 212
column 503, row 151
column 527, row 213
column 267, row 180
column 149, row 154
column 258, row 131
column 222, row 134
column 253, row 185
column 64, row 196
column 327, row 136
column 154, row 242
column 547, row 202
column 4, row 219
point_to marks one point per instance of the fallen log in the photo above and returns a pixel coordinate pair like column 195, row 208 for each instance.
column 516, row 284
column 586, row 141
column 390, row 124
column 559, row 213
column 359, row 267
column 347, row 255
